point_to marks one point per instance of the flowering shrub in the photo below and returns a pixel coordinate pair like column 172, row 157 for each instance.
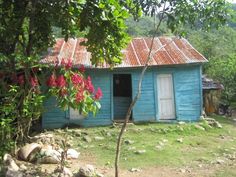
column 73, row 89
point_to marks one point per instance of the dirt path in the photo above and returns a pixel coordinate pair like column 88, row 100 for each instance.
column 203, row 170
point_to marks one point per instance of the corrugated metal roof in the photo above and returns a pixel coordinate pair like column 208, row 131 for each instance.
column 210, row 84
column 173, row 51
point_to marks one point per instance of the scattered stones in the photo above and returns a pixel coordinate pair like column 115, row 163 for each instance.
column 212, row 122
column 218, row 125
column 72, row 154
column 180, row 140
column 199, row 127
column 43, row 138
column 135, row 170
column 220, row 161
column 131, row 148
column 140, row 151
column 108, row 134
column 10, row 163
column 99, row 175
column 86, row 171
column 200, row 165
column 129, row 142
column 65, row 172
column 25, row 152
column 99, row 138
column 12, row 169
column 49, row 156
column 23, row 167
column 12, row 173
column 87, row 139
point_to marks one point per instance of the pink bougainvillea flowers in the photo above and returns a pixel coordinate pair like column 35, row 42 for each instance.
column 61, row 82
column 98, row 94
column 76, row 79
column 79, row 96
column 51, row 82
column 88, row 85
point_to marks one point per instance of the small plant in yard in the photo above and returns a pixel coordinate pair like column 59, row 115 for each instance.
column 73, row 89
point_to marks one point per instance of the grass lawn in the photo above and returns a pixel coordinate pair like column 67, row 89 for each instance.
column 163, row 145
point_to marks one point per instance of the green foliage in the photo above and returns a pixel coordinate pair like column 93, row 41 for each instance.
column 145, row 26
column 28, row 26
column 219, row 47
column 224, row 70
column 206, row 14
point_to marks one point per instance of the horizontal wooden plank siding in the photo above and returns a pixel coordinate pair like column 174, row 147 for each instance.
column 144, row 110
column 121, row 105
column 186, row 87
column 188, row 93
column 53, row 117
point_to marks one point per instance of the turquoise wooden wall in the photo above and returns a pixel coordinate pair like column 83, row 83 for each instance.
column 187, row 91
column 120, row 106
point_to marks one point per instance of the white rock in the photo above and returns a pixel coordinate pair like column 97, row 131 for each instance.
column 23, row 167
column 49, row 156
column 63, row 173
column 164, row 140
column 10, row 163
column 220, row 161
column 129, row 142
column 26, row 150
column 99, row 175
column 181, row 123
column 180, row 140
column 135, row 170
column 182, row 170
column 87, row 171
column 140, row 151
column 72, row 154
column 99, row 138
column 12, row 173
column 199, row 127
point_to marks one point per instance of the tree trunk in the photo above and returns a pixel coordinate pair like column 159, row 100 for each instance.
column 149, row 57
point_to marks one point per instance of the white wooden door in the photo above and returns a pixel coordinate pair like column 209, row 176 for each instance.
column 166, row 103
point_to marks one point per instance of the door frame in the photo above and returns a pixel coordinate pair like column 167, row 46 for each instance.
column 157, row 98
column 112, row 92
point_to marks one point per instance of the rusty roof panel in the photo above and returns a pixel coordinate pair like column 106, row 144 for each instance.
column 162, row 57
column 165, row 51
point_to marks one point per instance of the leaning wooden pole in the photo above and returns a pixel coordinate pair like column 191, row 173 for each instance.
column 149, row 57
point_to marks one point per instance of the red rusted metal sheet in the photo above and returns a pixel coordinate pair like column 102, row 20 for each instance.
column 165, row 51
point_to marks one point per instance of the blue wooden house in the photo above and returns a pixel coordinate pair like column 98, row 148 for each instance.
column 171, row 90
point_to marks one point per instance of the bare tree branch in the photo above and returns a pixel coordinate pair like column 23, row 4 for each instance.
column 127, row 117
